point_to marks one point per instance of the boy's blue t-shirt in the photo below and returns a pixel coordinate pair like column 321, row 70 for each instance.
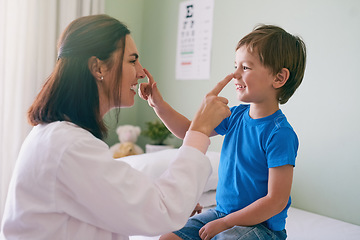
column 250, row 148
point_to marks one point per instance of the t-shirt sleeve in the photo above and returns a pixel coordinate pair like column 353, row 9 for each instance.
column 282, row 148
column 223, row 127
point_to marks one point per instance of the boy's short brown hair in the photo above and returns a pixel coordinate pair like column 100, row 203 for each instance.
column 278, row 49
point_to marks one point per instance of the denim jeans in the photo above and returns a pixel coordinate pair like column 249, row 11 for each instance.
column 191, row 229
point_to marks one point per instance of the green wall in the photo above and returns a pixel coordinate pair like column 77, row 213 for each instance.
column 324, row 111
column 131, row 14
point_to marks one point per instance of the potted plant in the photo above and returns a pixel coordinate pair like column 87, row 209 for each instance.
column 158, row 133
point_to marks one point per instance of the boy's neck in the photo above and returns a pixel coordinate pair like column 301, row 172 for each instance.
column 262, row 110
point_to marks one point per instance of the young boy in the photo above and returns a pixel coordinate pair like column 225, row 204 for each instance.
column 260, row 146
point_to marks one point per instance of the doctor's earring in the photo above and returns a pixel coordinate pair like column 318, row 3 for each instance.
column 101, row 78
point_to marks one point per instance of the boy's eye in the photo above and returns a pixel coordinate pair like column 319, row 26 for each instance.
column 243, row 67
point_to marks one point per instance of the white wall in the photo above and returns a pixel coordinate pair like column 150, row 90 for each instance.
column 325, row 111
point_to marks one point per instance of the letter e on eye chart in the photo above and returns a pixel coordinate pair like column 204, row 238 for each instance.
column 194, row 40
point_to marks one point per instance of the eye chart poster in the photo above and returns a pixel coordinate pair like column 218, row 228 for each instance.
column 194, row 39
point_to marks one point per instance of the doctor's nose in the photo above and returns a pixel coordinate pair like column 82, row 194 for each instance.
column 140, row 72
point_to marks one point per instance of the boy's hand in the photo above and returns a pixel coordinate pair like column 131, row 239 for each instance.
column 213, row 109
column 212, row 228
column 149, row 91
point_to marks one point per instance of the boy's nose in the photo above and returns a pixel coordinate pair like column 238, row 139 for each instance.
column 237, row 74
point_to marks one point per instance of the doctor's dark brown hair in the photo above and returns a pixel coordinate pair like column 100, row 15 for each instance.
column 70, row 93
column 278, row 49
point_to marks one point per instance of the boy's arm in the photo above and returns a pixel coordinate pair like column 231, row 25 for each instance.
column 174, row 121
column 279, row 187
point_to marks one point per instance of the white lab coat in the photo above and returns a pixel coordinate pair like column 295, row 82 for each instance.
column 67, row 186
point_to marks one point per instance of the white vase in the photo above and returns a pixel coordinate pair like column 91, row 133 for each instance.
column 149, row 148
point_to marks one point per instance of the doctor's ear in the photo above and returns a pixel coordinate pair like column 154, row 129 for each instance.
column 96, row 67
column 281, row 77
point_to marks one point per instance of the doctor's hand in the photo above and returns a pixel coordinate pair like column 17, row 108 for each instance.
column 213, row 109
column 198, row 209
column 149, row 91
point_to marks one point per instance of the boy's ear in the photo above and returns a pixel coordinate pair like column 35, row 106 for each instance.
column 95, row 67
column 281, row 77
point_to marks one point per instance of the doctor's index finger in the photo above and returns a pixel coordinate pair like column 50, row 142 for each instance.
column 220, row 85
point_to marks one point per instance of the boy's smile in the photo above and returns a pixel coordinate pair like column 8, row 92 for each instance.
column 240, row 87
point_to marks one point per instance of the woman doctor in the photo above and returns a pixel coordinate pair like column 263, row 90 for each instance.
column 66, row 184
